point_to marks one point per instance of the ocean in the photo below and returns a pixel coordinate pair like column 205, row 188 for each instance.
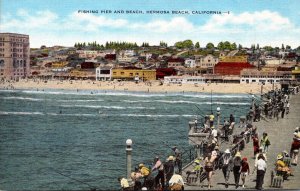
column 69, row 140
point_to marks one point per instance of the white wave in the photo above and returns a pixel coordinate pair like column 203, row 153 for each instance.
column 132, row 94
column 72, row 114
column 216, row 96
column 175, row 101
column 187, row 102
column 154, row 116
column 138, row 101
column 20, row 113
column 4, row 90
column 80, row 100
column 225, row 103
column 107, row 107
column 22, row 98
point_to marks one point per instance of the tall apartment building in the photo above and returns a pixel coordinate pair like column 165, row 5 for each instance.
column 14, row 55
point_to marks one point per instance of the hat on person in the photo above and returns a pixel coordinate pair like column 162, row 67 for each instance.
column 297, row 129
column 238, row 154
column 245, row 159
column 170, row 158
column 279, row 157
column 197, row 161
column 216, row 148
column 261, row 148
column 141, row 165
column 227, row 151
column 212, row 127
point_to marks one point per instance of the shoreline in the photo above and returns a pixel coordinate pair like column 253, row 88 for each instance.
column 141, row 87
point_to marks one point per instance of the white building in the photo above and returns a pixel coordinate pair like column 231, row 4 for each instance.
column 190, row 63
column 103, row 73
column 249, row 76
column 184, row 80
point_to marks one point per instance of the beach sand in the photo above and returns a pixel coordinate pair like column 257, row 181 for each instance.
column 153, row 87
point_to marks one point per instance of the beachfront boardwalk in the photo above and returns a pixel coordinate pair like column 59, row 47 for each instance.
column 280, row 135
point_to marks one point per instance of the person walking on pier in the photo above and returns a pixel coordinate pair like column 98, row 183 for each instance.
column 237, row 164
column 255, row 144
column 209, row 167
column 261, row 167
column 265, row 142
column 226, row 164
column 169, row 168
column 178, row 161
column 295, row 150
column 245, row 170
column 211, row 119
column 160, row 177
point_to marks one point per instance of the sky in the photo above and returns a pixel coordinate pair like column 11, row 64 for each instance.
column 62, row 22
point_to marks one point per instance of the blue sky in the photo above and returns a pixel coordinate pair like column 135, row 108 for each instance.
column 57, row 22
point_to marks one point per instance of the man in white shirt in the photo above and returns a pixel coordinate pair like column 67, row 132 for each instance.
column 261, row 167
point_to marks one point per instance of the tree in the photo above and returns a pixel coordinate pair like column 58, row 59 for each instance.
column 233, row 46
column 179, row 44
column 240, row 47
column 282, row 47
column 268, row 48
column 188, row 44
column 227, row 45
column 257, row 46
column 210, row 45
column 197, row 45
column 221, row 46
column 287, row 47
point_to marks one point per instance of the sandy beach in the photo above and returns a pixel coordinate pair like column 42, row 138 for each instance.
column 153, row 87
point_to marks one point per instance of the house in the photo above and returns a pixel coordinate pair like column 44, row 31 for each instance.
column 184, row 80
column 208, row 61
column 103, row 73
column 110, row 57
column 175, row 62
column 162, row 72
column 132, row 73
column 190, row 63
column 231, row 68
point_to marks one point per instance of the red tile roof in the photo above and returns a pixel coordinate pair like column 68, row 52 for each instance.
column 234, row 64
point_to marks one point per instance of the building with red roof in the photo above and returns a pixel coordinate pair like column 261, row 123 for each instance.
column 231, row 68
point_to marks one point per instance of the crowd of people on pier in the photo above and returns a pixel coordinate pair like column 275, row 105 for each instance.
column 168, row 174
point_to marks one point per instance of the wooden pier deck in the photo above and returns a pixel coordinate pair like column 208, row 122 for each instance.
column 280, row 135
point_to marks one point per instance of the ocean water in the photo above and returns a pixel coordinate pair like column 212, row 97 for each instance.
column 57, row 139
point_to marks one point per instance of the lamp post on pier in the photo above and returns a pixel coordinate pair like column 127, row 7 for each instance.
column 128, row 157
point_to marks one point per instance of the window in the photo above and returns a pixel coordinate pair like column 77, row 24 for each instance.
column 122, row 73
